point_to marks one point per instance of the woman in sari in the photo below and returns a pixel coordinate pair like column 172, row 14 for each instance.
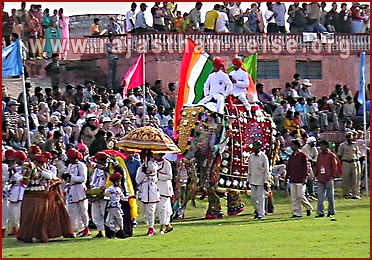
column 63, row 23
column 51, row 34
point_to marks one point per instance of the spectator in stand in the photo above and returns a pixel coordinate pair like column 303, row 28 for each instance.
column 18, row 133
column 51, row 34
column 265, row 98
column 222, row 21
column 253, row 19
column 177, row 22
column 357, row 24
column 348, row 109
column 158, row 15
column 332, row 20
column 211, row 18
column 326, row 107
column 288, row 122
column 18, row 28
column 279, row 114
column 89, row 130
column 301, row 108
column 314, row 25
column 38, row 96
column 99, row 142
column 289, row 92
column 22, row 13
column 130, row 18
column 344, row 19
column 346, row 92
column 31, row 28
column 315, row 117
column 238, row 19
column 186, row 26
column 113, row 27
column 280, row 9
column 322, row 13
column 194, row 16
column 360, row 111
column 140, row 24
column 297, row 18
column 63, row 23
column 270, row 16
column 304, row 90
column 94, row 28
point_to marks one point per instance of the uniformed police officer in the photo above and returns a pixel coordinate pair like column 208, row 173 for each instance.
column 348, row 153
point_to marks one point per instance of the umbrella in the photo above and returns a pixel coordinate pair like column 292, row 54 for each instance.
column 115, row 153
column 148, row 138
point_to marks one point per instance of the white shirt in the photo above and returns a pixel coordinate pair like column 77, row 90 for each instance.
column 218, row 83
column 140, row 20
column 268, row 14
column 242, row 81
column 165, row 178
column 221, row 23
column 258, row 170
column 129, row 17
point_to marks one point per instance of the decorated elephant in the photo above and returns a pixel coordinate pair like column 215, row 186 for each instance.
column 221, row 146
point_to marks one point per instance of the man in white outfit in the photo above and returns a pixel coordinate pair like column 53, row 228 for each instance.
column 164, row 206
column 98, row 181
column 218, row 86
column 258, row 178
column 147, row 178
column 77, row 203
column 239, row 77
column 16, row 190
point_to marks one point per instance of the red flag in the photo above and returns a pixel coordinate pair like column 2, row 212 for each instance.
column 134, row 76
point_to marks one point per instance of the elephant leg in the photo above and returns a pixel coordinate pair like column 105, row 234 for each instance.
column 214, row 205
column 234, row 203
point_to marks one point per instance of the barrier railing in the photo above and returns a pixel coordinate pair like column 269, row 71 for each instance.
column 237, row 43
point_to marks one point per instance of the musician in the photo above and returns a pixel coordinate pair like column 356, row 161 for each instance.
column 147, row 178
column 97, row 183
column 77, row 203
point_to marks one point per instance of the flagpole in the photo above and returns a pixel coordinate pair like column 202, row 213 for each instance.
column 26, row 106
column 365, row 140
column 144, row 88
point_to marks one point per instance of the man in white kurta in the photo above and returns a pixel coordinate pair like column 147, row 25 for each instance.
column 77, row 203
column 164, row 206
column 258, row 178
column 147, row 178
column 99, row 205
column 218, row 86
column 5, row 202
column 240, row 80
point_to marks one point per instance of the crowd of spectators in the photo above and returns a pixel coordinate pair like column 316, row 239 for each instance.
column 228, row 17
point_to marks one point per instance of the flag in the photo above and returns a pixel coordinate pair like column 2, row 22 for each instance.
column 134, row 76
column 194, row 71
column 250, row 65
column 362, row 80
column 12, row 60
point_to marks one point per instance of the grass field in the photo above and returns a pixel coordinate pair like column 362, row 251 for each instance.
column 278, row 236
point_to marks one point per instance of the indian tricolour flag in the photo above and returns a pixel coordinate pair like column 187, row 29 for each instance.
column 195, row 68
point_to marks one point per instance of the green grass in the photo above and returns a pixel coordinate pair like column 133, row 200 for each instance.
column 230, row 237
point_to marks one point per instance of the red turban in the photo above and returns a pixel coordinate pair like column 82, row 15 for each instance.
column 81, row 147
column 47, row 155
column 72, row 154
column 101, row 156
column 9, row 154
column 35, row 149
column 218, row 63
column 115, row 177
column 237, row 62
column 21, row 155
column 40, row 158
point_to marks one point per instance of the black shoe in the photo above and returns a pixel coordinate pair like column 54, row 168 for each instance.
column 308, row 212
column 320, row 216
column 99, row 235
column 255, row 216
column 295, row 216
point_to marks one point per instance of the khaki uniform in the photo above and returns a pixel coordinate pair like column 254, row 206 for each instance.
column 349, row 154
